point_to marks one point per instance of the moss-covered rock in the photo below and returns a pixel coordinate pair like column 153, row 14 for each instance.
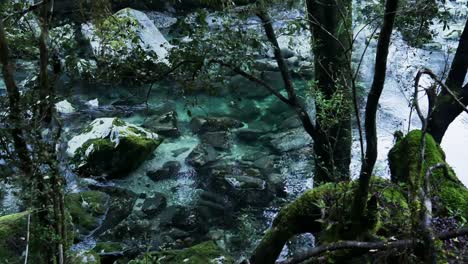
column 108, row 247
column 204, row 253
column 450, row 196
column 86, row 210
column 13, row 230
column 111, row 147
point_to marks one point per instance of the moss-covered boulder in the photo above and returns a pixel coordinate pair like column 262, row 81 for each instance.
column 86, row 210
column 207, row 252
column 111, row 148
column 450, row 196
column 13, row 230
column 127, row 32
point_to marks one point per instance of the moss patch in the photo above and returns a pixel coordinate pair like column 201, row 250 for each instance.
column 107, row 247
column 85, row 210
column 12, row 229
column 207, row 252
column 107, row 159
column 450, row 196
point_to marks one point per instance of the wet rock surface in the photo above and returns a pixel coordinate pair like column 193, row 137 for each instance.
column 154, row 205
column 170, row 169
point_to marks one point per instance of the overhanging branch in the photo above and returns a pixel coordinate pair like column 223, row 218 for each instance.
column 385, row 245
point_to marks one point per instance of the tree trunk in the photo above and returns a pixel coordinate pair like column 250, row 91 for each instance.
column 362, row 192
column 330, row 24
column 15, row 113
column 446, row 108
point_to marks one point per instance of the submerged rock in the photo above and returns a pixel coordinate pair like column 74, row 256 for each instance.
column 170, row 169
column 202, row 125
column 238, row 183
column 290, row 140
column 201, row 155
column 154, row 205
column 165, row 124
column 111, row 147
column 249, row 135
column 220, row 140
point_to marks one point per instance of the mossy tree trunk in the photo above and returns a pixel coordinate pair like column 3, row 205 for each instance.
column 330, row 25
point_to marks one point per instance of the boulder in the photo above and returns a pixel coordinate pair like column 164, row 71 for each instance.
column 290, row 140
column 140, row 33
column 165, row 124
column 64, row 107
column 201, row 155
column 201, row 125
column 291, row 122
column 119, row 208
column 238, row 183
column 266, row 163
column 277, row 184
column 170, row 169
column 249, row 135
column 178, row 216
column 111, row 148
column 178, row 152
column 245, row 110
column 154, row 205
column 220, row 140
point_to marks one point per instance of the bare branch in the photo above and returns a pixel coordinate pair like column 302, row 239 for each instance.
column 385, row 245
column 23, row 12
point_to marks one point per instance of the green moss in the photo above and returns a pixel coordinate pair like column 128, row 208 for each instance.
column 450, row 195
column 310, row 205
column 85, row 209
column 115, row 161
column 107, row 247
column 202, row 253
column 136, row 131
column 12, row 229
column 118, row 122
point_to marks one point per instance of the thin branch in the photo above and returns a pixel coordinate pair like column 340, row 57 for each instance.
column 27, row 240
column 446, row 88
column 385, row 245
column 254, row 79
column 23, row 12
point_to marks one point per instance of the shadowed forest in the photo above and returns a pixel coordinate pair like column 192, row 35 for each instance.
column 233, row 131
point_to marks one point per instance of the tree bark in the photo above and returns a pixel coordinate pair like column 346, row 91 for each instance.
column 446, row 108
column 329, row 23
column 15, row 113
column 362, row 192
column 46, row 93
